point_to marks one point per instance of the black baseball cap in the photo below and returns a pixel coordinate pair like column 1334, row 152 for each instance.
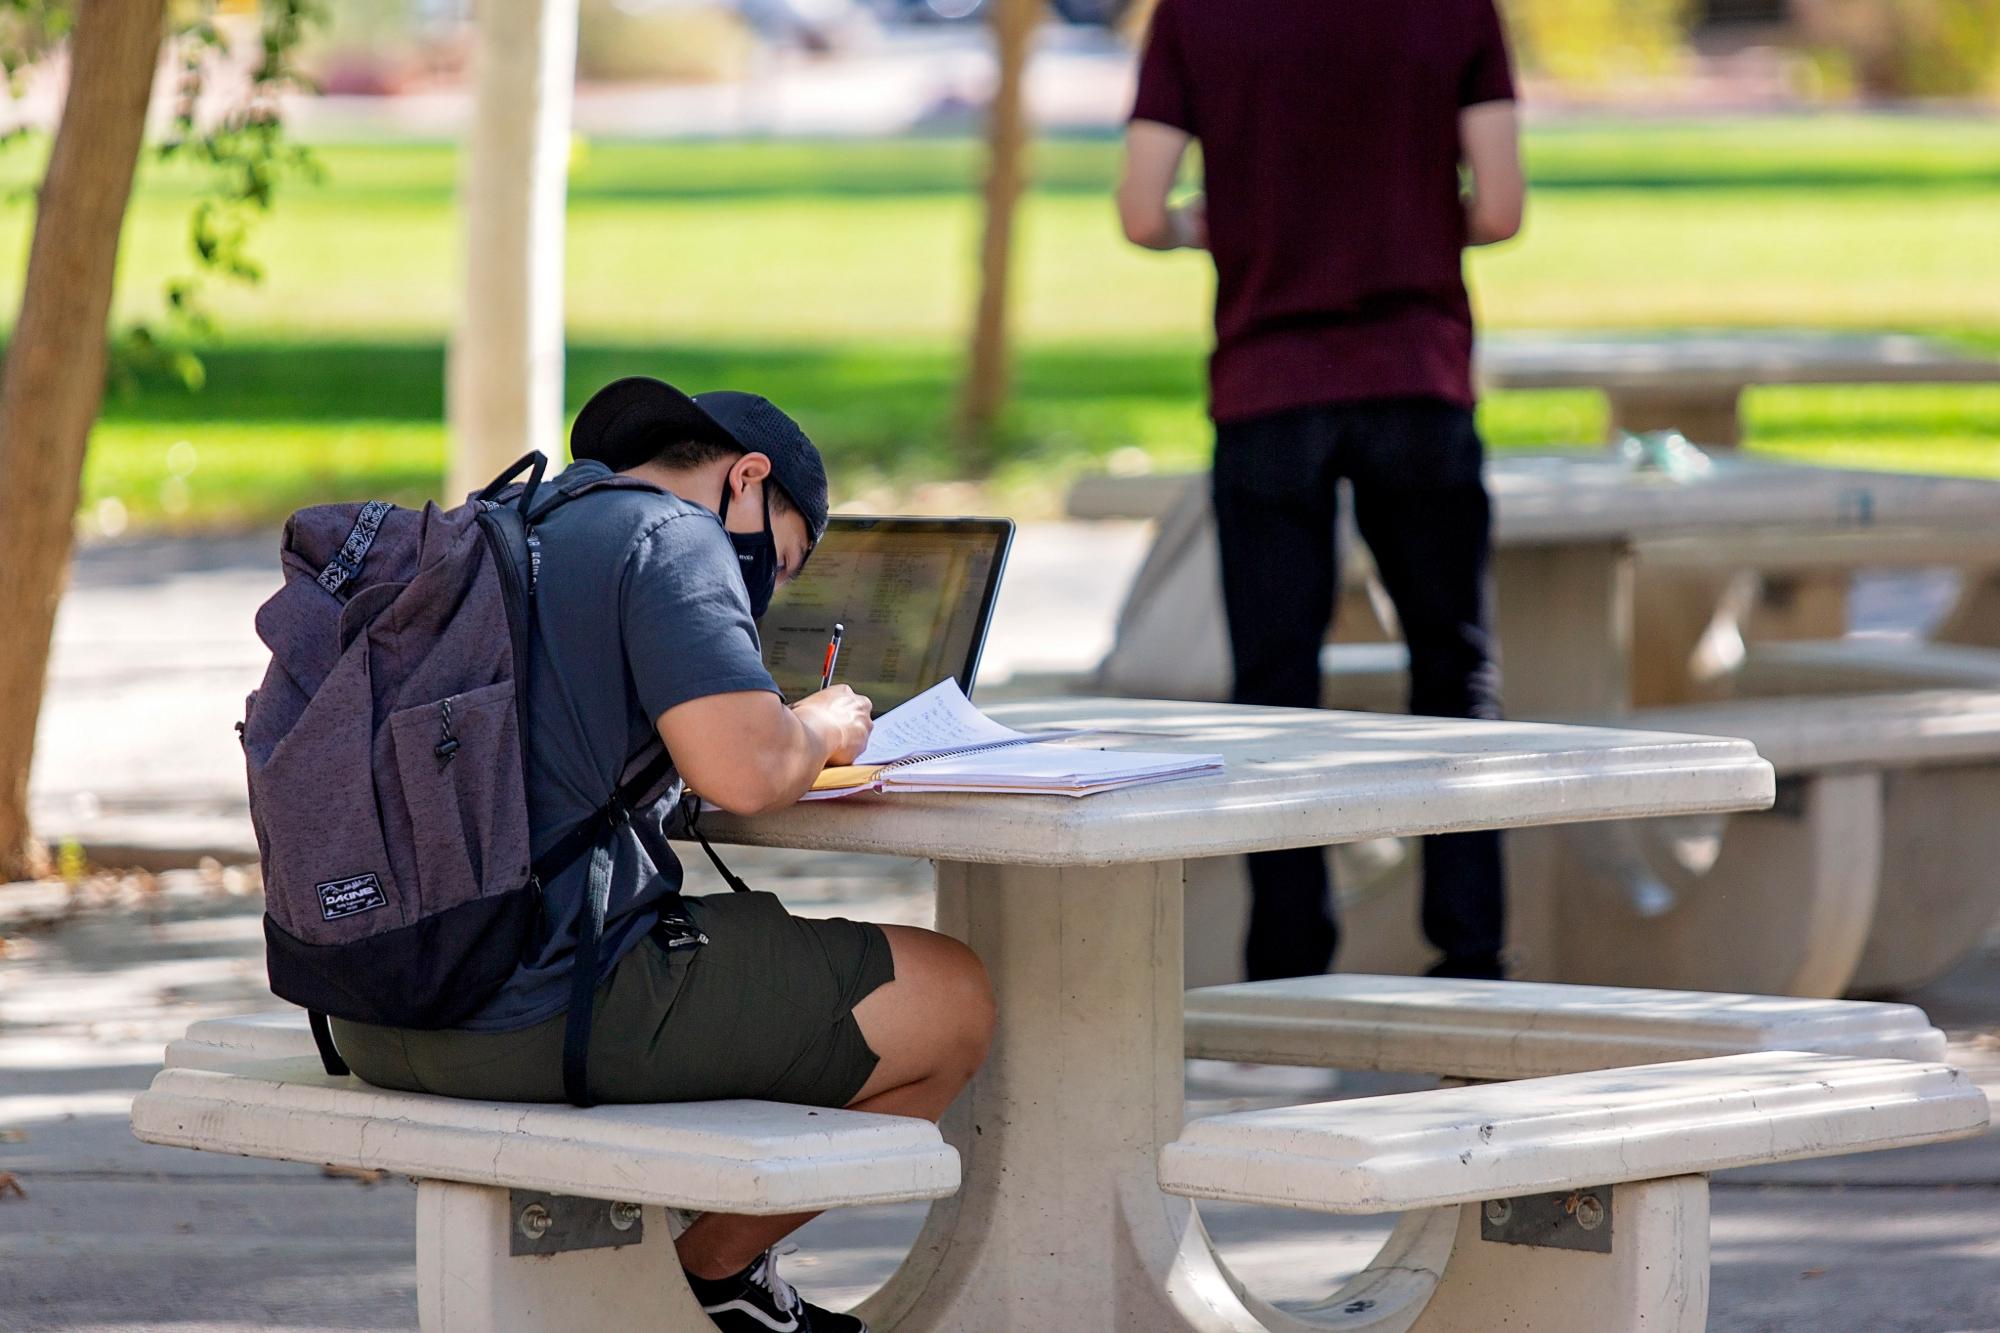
column 629, row 421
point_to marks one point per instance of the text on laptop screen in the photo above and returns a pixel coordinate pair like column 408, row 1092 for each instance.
column 915, row 596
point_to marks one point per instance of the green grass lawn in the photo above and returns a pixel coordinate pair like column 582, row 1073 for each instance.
column 838, row 277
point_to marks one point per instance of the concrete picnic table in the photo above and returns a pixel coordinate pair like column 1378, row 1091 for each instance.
column 1691, row 380
column 1631, row 631
column 1075, row 907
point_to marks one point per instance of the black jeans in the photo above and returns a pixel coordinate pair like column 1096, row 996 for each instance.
column 1420, row 504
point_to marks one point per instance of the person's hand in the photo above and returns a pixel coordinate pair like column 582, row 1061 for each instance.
column 1189, row 224
column 842, row 720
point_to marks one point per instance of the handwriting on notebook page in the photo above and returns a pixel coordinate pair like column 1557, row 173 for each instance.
column 941, row 718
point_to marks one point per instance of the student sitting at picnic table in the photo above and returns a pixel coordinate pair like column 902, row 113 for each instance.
column 1332, row 138
column 647, row 615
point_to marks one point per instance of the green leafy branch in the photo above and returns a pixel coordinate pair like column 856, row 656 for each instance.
column 241, row 151
column 244, row 154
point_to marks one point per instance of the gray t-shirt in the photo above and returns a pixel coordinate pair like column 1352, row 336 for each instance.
column 639, row 607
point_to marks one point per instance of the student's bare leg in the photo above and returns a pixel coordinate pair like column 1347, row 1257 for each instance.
column 929, row 1029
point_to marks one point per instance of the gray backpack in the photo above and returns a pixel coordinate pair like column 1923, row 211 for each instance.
column 387, row 766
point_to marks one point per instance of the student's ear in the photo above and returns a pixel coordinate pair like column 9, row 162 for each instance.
column 747, row 471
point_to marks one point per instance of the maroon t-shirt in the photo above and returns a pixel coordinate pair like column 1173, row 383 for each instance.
column 1329, row 136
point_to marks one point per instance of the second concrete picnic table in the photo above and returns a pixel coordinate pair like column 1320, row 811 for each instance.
column 1582, row 636
column 1076, row 908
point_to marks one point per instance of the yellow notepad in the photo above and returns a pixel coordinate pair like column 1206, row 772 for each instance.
column 840, row 777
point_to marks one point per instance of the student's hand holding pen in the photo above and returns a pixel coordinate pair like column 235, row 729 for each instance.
column 841, row 719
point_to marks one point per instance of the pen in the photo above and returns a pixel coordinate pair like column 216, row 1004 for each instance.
column 832, row 656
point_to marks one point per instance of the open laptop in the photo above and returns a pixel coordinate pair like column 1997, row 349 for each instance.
column 916, row 596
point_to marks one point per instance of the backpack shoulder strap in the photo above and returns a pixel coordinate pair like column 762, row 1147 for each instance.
column 593, row 835
column 560, row 495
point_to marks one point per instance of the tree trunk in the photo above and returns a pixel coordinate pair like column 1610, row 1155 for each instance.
column 53, row 382
column 506, row 376
column 987, row 372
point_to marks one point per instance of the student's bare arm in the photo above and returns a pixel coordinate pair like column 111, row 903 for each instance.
column 1489, row 136
column 748, row 753
column 1153, row 154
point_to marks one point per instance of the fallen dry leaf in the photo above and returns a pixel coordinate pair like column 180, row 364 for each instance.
column 1814, row 1272
column 13, row 1136
column 366, row 1175
column 11, row 1184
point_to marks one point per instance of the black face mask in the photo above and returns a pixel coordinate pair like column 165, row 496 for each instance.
column 756, row 556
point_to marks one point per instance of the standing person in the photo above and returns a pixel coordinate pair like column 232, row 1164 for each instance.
column 646, row 634
column 1333, row 134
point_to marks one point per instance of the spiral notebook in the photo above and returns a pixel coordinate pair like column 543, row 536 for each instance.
column 938, row 742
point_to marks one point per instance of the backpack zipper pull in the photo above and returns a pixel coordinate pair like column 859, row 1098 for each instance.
column 447, row 746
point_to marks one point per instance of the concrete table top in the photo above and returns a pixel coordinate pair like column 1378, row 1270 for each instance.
column 1722, row 359
column 1294, row 778
column 1558, row 499
column 1571, row 497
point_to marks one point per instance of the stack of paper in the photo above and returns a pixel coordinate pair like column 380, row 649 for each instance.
column 1058, row 770
column 939, row 742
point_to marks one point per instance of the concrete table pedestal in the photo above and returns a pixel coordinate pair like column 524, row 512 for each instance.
column 1060, row 1222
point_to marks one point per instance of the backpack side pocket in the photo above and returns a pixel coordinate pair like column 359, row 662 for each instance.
column 459, row 767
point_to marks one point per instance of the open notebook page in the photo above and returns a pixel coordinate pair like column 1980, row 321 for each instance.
column 941, row 718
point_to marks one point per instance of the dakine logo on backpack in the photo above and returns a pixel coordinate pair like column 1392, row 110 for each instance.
column 345, row 897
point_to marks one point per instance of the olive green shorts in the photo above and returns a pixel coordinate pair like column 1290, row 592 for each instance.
column 764, row 1010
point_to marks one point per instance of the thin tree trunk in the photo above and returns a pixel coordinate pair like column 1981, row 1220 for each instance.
column 506, row 375
column 53, row 382
column 987, row 369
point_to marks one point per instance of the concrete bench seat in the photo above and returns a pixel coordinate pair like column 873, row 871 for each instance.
column 1510, row 1030
column 1875, row 873
column 1855, row 665
column 1832, row 732
column 543, row 1217
column 1546, row 1204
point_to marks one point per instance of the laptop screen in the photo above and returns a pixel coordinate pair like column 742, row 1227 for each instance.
column 915, row 595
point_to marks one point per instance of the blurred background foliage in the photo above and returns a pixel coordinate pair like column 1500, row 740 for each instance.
column 1590, row 45
column 1907, row 48
column 1832, row 49
column 1870, row 48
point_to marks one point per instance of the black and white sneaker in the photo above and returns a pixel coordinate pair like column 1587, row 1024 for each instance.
column 757, row 1300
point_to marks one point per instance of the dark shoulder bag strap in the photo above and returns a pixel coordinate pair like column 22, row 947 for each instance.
column 595, row 835
column 584, row 967
column 323, row 1038
column 690, row 822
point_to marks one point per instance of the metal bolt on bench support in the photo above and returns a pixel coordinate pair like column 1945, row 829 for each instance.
column 534, row 1221
column 1589, row 1213
column 1569, row 1220
column 558, row 1223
